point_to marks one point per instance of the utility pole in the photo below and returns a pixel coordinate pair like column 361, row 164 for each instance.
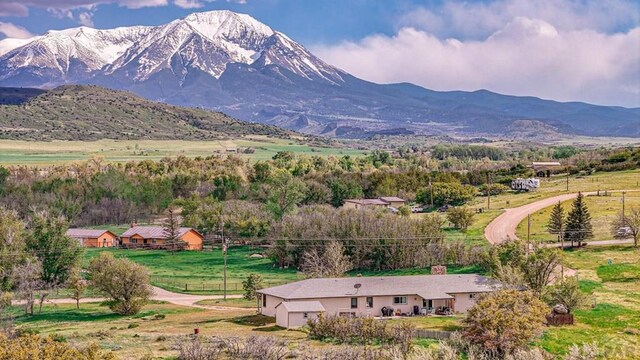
column 528, row 228
column 488, row 191
column 224, row 252
column 567, row 178
column 431, row 192
column 623, row 193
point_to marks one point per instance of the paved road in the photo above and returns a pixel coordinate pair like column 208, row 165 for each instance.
column 162, row 295
column 504, row 226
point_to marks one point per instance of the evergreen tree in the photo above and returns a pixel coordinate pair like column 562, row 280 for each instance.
column 556, row 219
column 578, row 227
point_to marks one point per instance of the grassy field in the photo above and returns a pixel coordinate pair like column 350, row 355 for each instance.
column 202, row 272
column 14, row 152
column 603, row 210
column 612, row 274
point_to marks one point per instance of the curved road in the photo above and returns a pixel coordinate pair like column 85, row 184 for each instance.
column 504, row 226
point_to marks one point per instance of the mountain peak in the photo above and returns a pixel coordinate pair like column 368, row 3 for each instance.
column 226, row 23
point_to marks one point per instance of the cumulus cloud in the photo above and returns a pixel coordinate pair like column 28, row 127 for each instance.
column 476, row 20
column 10, row 30
column 564, row 58
column 188, row 4
column 21, row 7
column 526, row 57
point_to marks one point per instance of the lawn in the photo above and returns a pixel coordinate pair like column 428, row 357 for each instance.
column 612, row 275
column 202, row 271
column 13, row 152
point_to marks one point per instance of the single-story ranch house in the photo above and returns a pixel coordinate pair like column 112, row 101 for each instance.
column 293, row 304
column 93, row 238
column 155, row 236
column 384, row 202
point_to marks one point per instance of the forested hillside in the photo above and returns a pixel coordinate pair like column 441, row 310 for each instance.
column 93, row 113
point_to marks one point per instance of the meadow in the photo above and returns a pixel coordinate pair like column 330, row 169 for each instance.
column 15, row 152
column 603, row 209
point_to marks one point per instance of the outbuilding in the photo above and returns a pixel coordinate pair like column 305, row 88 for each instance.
column 93, row 237
column 295, row 314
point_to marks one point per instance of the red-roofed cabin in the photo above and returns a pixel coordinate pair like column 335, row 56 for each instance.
column 93, row 238
column 154, row 237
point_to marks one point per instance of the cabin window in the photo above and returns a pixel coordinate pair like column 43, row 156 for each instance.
column 305, row 315
column 473, row 296
column 153, row 241
column 369, row 302
column 354, row 303
column 264, row 300
column 134, row 241
column 400, row 300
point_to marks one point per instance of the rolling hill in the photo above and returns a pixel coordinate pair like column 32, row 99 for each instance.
column 84, row 112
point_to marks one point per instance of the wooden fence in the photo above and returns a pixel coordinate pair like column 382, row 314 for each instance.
column 433, row 334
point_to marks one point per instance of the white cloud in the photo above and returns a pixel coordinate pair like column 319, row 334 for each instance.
column 14, row 31
column 21, row 7
column 188, row 4
column 86, row 18
column 477, row 20
column 524, row 57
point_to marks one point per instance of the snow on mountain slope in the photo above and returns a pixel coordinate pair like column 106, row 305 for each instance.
column 205, row 41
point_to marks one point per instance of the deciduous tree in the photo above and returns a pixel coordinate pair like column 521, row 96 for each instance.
column 57, row 252
column 125, row 282
column 505, row 321
column 461, row 217
column 329, row 262
column 12, row 244
column 77, row 284
column 251, row 285
column 630, row 221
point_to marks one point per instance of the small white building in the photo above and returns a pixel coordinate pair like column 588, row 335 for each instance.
column 293, row 304
column 294, row 314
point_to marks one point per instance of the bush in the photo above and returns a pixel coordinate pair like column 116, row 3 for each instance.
column 461, row 217
column 446, row 194
column 28, row 347
column 360, row 330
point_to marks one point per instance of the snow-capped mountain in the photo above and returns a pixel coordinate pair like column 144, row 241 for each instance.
column 235, row 64
column 203, row 41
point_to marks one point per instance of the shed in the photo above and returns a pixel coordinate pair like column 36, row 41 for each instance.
column 295, row 314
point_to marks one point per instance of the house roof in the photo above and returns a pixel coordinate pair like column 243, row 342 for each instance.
column 425, row 286
column 87, row 233
column 153, row 232
column 392, row 199
column 302, row 306
column 368, row 201
column 546, row 163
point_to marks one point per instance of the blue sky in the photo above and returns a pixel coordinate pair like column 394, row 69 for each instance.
column 586, row 50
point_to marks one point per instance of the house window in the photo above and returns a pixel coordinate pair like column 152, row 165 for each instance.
column 134, row 241
column 305, row 315
column 427, row 303
column 400, row 300
column 354, row 303
column 153, row 241
column 369, row 302
column 473, row 296
column 264, row 300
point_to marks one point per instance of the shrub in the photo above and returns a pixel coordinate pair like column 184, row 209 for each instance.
column 360, row 330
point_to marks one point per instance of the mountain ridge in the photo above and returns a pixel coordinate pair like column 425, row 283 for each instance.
column 233, row 63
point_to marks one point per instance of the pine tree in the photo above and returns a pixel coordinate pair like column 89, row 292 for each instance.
column 556, row 219
column 578, row 226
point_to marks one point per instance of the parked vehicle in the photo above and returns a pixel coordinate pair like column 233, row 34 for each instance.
column 624, row 232
column 417, row 209
column 444, row 208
